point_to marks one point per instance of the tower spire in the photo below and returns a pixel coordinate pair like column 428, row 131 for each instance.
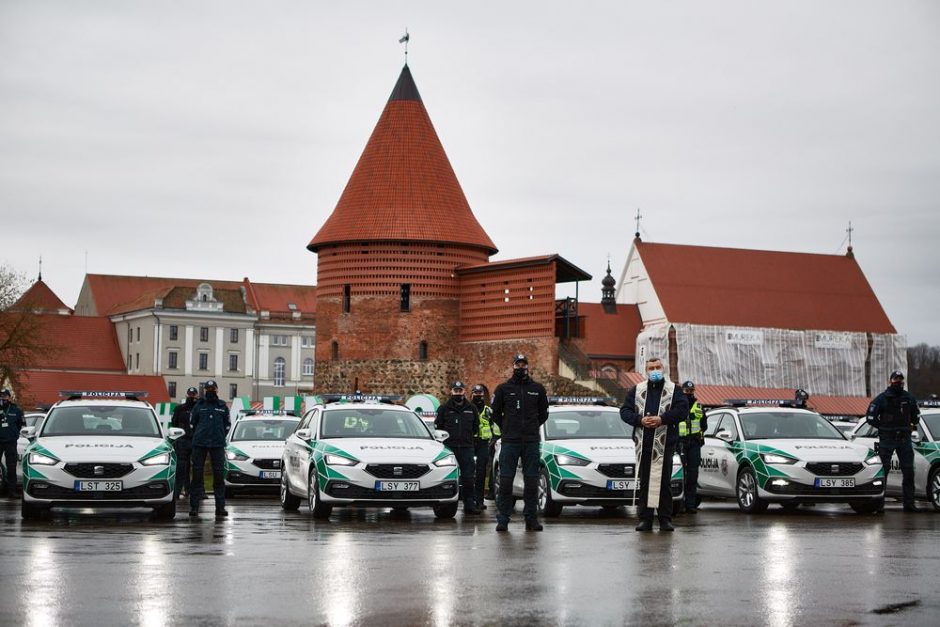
column 40, row 267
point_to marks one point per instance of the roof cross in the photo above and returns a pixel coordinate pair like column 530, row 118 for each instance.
column 638, row 217
column 405, row 40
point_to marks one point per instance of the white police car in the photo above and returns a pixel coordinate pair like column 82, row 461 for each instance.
column 99, row 449
column 254, row 448
column 926, row 455
column 587, row 457
column 366, row 451
column 32, row 419
column 760, row 452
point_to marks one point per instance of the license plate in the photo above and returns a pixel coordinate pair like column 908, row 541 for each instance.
column 397, row 486
column 621, row 484
column 99, row 486
column 829, row 482
column 270, row 474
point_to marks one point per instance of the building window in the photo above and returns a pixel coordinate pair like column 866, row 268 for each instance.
column 279, row 367
column 130, row 335
column 171, row 361
column 137, row 361
column 405, row 297
column 279, row 340
column 334, row 350
column 308, row 366
column 203, row 334
column 138, row 334
column 347, row 298
column 232, row 390
column 423, row 351
column 306, row 341
column 171, row 389
column 233, row 336
column 233, row 362
column 174, row 332
column 203, row 361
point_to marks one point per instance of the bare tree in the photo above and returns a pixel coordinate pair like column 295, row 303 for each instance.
column 923, row 370
column 21, row 338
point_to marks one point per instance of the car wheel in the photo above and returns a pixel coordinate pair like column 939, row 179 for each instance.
column 31, row 512
column 933, row 488
column 748, row 498
column 317, row 507
column 166, row 511
column 289, row 502
column 547, row 506
column 445, row 510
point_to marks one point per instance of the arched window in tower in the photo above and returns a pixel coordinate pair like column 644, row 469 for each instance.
column 308, row 367
column 405, row 301
column 334, row 350
column 280, row 365
column 423, row 351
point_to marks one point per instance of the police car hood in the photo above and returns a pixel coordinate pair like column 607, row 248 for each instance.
column 100, row 449
column 389, row 450
column 604, row 450
column 259, row 449
column 817, row 450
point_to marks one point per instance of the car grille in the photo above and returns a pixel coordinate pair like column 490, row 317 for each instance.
column 267, row 464
column 109, row 471
column 833, row 469
column 58, row 493
column 595, row 492
column 397, row 471
column 865, row 489
column 240, row 477
column 616, row 470
column 443, row 491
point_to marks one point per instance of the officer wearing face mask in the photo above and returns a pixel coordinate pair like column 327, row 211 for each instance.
column 895, row 414
column 11, row 421
column 184, row 443
column 461, row 421
column 520, row 407
column 482, row 441
column 210, row 422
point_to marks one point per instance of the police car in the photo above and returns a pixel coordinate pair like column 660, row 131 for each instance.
column 99, row 449
column 926, row 455
column 587, row 457
column 760, row 452
column 254, row 448
column 367, row 451
column 32, row 419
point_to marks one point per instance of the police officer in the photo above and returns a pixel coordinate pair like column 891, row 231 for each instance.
column 11, row 421
column 800, row 397
column 460, row 420
column 184, row 443
column 691, row 439
column 210, row 422
column 520, row 408
column 895, row 414
column 481, row 443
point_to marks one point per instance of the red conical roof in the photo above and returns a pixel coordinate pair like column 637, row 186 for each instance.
column 403, row 187
column 40, row 297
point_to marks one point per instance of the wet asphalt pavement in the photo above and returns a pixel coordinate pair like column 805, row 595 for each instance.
column 263, row 566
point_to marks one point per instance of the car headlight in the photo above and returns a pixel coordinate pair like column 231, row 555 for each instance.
column 569, row 460
column 874, row 460
column 38, row 459
column 162, row 459
column 235, row 457
column 450, row 460
column 339, row 460
column 771, row 458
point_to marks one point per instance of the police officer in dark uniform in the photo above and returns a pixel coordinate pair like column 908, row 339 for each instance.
column 462, row 422
column 520, row 408
column 800, row 398
column 691, row 439
column 895, row 414
column 11, row 421
column 210, row 421
column 184, row 443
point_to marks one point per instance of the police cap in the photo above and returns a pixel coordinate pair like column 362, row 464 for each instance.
column 520, row 358
column 211, row 384
column 897, row 375
column 5, row 392
column 688, row 385
column 458, row 385
column 192, row 390
column 477, row 389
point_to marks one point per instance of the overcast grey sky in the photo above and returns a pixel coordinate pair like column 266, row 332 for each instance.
column 212, row 139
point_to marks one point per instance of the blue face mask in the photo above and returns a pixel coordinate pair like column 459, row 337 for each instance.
column 655, row 375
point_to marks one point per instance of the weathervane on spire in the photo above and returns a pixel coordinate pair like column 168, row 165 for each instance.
column 849, row 230
column 405, row 40
column 638, row 217
column 40, row 267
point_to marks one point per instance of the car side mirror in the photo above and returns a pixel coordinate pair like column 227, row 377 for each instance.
column 440, row 436
column 852, row 436
column 915, row 437
column 303, row 434
column 725, row 436
column 28, row 432
column 175, row 432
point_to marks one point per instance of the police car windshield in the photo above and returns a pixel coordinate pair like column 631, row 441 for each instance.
column 101, row 421
column 372, row 422
column 933, row 423
column 584, row 424
column 274, row 429
column 787, row 426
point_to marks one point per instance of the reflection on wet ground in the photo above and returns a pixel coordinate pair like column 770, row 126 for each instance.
column 822, row 565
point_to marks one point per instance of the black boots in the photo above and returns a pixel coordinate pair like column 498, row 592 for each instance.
column 533, row 524
column 645, row 525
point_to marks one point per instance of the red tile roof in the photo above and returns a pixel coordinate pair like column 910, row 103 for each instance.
column 403, row 187
column 759, row 288
column 43, row 386
column 40, row 297
column 610, row 334
column 76, row 343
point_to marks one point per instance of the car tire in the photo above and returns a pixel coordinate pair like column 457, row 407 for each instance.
column 547, row 506
column 868, row 507
column 166, row 511
column 747, row 493
column 31, row 512
column 289, row 501
column 445, row 510
column 318, row 508
column 933, row 488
